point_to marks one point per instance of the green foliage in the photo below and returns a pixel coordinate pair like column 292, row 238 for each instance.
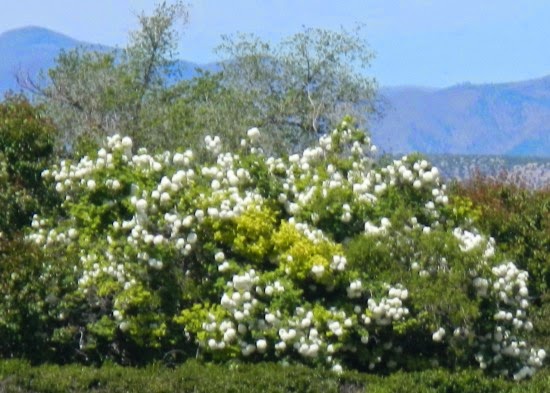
column 541, row 322
column 23, row 305
column 38, row 303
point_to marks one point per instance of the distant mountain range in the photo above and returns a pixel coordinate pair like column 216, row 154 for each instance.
column 500, row 119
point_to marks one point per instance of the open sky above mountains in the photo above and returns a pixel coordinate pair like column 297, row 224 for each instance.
column 417, row 42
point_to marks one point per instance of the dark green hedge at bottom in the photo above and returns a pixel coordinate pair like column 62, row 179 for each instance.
column 19, row 376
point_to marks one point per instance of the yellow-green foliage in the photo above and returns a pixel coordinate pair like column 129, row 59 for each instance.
column 253, row 231
column 298, row 254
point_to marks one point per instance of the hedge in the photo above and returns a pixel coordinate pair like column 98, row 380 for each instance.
column 197, row 377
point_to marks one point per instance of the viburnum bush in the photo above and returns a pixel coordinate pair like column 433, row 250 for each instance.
column 322, row 258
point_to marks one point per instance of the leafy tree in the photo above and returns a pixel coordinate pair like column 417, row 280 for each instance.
column 302, row 86
column 205, row 105
column 91, row 94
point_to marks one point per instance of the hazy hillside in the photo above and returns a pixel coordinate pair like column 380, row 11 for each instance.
column 31, row 49
column 497, row 119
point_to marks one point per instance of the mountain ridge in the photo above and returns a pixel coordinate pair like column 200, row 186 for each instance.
column 503, row 119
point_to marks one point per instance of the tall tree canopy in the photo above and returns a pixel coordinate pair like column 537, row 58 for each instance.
column 302, row 86
column 91, row 94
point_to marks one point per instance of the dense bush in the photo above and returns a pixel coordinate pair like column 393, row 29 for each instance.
column 26, row 149
column 519, row 220
column 319, row 258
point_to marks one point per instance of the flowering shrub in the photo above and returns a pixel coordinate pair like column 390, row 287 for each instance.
column 320, row 257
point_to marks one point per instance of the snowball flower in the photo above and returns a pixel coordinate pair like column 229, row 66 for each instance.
column 253, row 133
column 318, row 270
column 116, row 185
column 73, row 233
column 261, row 345
column 337, row 369
column 141, row 205
column 178, row 159
column 164, row 197
column 219, row 257
column 438, row 335
column 428, row 177
column 192, row 238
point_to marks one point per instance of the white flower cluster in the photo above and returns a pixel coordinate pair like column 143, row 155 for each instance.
column 312, row 234
column 388, row 309
column 213, row 144
column 509, row 288
column 355, row 289
column 469, row 241
column 418, row 173
column 438, row 335
column 297, row 198
column 94, row 270
column 371, row 229
column 144, row 231
column 302, row 333
column 367, row 184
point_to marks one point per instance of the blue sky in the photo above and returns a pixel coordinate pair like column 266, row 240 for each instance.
column 417, row 42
